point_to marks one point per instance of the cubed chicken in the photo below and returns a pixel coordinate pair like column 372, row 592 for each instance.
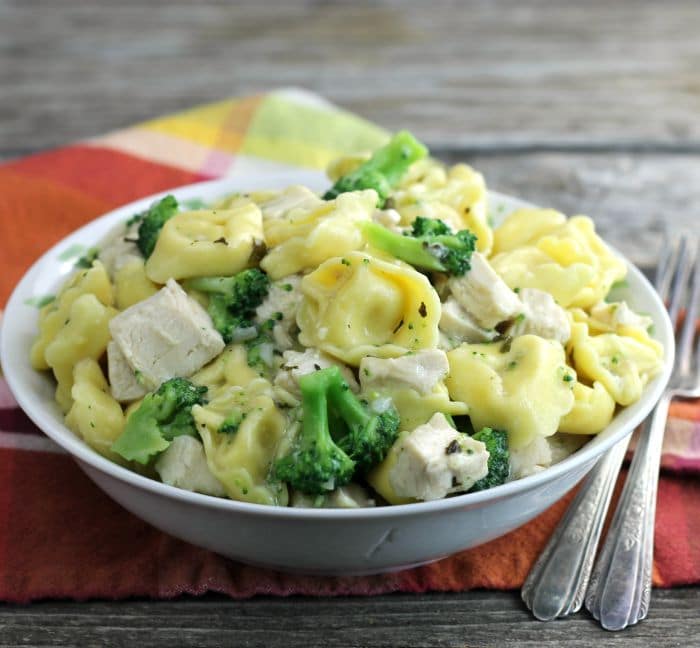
column 541, row 316
column 123, row 381
column 300, row 363
column 280, row 306
column 389, row 218
column 460, row 327
column 120, row 248
column 350, row 496
column 420, row 371
column 166, row 335
column 619, row 314
column 294, row 197
column 543, row 452
column 435, row 460
column 184, row 465
column 484, row 295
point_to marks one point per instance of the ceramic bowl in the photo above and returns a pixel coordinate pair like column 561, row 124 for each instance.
column 306, row 540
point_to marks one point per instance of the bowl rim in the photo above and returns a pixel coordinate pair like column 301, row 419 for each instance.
column 81, row 452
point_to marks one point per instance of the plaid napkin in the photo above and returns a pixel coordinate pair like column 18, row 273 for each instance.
column 61, row 537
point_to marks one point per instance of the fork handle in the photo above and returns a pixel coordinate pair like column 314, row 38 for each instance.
column 557, row 582
column 620, row 587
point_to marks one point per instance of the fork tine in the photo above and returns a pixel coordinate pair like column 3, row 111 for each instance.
column 667, row 253
column 679, row 281
column 684, row 351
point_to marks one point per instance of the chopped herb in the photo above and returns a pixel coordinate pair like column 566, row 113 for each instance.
column 422, row 310
column 345, row 262
column 288, row 287
column 365, row 261
column 568, row 378
column 615, row 359
column 453, row 447
column 366, row 372
column 231, row 423
column 221, row 240
column 512, row 364
column 505, row 347
column 516, row 290
column 398, row 326
column 410, row 326
column 88, row 258
column 520, row 318
column 40, row 302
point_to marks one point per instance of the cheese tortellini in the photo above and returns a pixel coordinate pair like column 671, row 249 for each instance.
column 241, row 460
column 361, row 305
column 434, row 343
column 207, row 242
column 564, row 257
column 525, row 389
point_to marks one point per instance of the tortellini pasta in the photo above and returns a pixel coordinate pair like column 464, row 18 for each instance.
column 84, row 334
column 207, row 242
column 524, row 390
column 241, row 460
column 131, row 285
column 94, row 414
column 306, row 237
column 567, row 259
column 624, row 364
column 229, row 369
column 53, row 316
column 593, row 409
column 361, row 305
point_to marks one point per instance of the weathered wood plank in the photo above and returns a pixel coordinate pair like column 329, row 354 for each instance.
column 468, row 619
column 474, row 74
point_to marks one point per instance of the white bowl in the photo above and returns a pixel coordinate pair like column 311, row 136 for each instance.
column 307, row 540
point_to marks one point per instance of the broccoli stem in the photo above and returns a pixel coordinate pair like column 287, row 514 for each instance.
column 412, row 250
column 383, row 170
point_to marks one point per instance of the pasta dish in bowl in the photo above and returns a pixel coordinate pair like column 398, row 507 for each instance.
column 398, row 353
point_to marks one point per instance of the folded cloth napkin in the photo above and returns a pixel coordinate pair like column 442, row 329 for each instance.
column 61, row 537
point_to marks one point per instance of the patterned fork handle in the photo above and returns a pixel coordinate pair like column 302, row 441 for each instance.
column 557, row 583
column 620, row 587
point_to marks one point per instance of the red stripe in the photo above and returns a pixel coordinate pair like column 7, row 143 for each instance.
column 104, row 174
column 15, row 420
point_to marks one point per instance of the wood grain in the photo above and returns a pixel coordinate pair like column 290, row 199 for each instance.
column 474, row 75
column 472, row 619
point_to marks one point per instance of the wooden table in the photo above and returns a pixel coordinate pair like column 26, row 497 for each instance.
column 588, row 107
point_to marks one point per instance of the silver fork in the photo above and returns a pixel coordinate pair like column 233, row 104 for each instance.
column 621, row 582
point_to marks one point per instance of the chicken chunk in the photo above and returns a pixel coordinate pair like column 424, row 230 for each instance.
column 435, row 460
column 123, row 381
column 120, row 248
column 166, row 335
column 541, row 316
column 484, row 295
column 619, row 314
column 542, row 452
column 280, row 306
column 350, row 496
column 294, row 197
column 301, row 363
column 460, row 327
column 184, row 465
column 420, row 371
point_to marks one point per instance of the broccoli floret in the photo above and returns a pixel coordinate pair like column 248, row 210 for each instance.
column 319, row 463
column 431, row 245
column 232, row 300
column 163, row 415
column 496, row 442
column 383, row 170
column 369, row 434
column 232, row 422
column 316, row 465
column 152, row 221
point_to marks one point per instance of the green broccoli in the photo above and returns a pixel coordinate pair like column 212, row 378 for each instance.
column 163, row 415
column 320, row 463
column 152, row 221
column 260, row 350
column 431, row 245
column 496, row 442
column 383, row 170
column 316, row 465
column 369, row 434
column 233, row 300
